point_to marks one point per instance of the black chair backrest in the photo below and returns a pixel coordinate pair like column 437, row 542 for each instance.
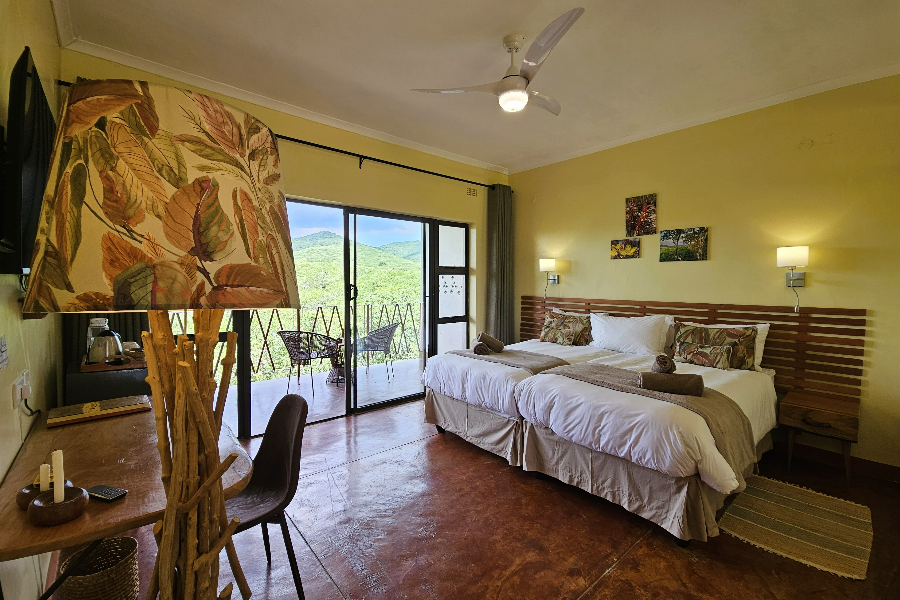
column 276, row 465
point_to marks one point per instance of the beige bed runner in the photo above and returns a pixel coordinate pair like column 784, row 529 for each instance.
column 728, row 424
column 532, row 362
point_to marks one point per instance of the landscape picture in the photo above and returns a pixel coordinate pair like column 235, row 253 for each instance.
column 640, row 215
column 683, row 244
column 630, row 248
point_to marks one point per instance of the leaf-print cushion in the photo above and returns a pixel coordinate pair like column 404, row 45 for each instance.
column 741, row 339
column 717, row 357
column 584, row 337
column 160, row 198
column 562, row 329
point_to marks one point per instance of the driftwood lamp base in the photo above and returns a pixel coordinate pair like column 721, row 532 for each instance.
column 188, row 414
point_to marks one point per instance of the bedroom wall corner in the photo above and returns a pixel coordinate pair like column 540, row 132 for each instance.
column 821, row 171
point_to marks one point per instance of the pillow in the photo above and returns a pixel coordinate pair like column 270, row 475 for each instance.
column 632, row 335
column 669, row 343
column 762, row 332
column 584, row 337
column 741, row 339
column 563, row 329
column 717, row 357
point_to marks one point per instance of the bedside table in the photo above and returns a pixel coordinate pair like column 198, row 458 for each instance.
column 829, row 417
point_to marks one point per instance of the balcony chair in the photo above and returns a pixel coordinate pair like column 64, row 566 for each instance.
column 276, row 471
column 303, row 347
column 379, row 340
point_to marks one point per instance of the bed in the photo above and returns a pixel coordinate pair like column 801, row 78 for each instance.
column 532, row 420
column 475, row 399
column 654, row 458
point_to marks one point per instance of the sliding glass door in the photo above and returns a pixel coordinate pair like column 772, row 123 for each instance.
column 379, row 293
column 385, row 348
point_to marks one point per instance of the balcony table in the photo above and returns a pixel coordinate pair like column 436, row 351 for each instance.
column 118, row 451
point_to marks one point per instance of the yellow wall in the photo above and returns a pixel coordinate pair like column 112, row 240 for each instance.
column 325, row 176
column 822, row 171
column 32, row 345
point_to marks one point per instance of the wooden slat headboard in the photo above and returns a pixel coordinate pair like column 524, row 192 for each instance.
column 819, row 350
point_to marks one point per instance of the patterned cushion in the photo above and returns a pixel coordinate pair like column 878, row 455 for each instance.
column 583, row 338
column 562, row 329
column 718, row 357
column 741, row 339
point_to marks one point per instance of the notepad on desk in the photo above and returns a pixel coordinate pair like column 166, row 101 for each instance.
column 90, row 411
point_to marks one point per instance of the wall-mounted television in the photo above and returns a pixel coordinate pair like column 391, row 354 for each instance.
column 30, row 128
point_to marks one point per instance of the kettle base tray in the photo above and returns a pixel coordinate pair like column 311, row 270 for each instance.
column 112, row 363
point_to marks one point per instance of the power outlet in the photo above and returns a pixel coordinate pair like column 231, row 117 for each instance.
column 23, row 380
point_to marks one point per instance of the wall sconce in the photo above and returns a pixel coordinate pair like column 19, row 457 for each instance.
column 546, row 265
column 793, row 257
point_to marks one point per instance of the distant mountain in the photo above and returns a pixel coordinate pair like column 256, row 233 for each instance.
column 411, row 250
column 384, row 274
column 320, row 238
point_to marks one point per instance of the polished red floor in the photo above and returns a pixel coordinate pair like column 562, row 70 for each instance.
column 386, row 508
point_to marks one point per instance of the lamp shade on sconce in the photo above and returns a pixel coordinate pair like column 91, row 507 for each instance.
column 160, row 199
column 792, row 256
column 547, row 265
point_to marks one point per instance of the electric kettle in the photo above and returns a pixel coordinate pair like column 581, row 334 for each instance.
column 106, row 344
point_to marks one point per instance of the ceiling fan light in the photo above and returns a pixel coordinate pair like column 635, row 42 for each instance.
column 513, row 100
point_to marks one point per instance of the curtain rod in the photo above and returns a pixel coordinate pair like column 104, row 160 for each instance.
column 361, row 157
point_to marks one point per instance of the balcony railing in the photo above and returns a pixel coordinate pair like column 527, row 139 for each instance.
column 269, row 358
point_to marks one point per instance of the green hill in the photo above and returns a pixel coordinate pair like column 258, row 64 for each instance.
column 383, row 277
column 320, row 238
column 411, row 250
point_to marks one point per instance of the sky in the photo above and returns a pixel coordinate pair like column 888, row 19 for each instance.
column 306, row 219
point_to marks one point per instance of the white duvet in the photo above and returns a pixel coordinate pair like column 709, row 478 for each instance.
column 491, row 385
column 646, row 431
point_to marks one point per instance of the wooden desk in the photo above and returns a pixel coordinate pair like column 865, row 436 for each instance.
column 119, row 451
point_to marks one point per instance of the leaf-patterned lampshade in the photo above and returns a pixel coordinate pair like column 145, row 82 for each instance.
column 160, row 198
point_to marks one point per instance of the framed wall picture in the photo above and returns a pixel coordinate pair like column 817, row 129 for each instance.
column 640, row 215
column 683, row 244
column 630, row 248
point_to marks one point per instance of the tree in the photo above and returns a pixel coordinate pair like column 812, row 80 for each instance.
column 672, row 235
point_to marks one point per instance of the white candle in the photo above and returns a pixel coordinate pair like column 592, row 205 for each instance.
column 59, row 477
column 45, row 477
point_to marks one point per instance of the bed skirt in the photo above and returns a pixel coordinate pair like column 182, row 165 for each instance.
column 684, row 506
column 487, row 430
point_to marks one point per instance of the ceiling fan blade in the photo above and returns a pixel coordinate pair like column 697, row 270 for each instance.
column 545, row 41
column 546, row 102
column 490, row 88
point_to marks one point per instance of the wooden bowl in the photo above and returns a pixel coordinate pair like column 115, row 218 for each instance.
column 29, row 493
column 44, row 512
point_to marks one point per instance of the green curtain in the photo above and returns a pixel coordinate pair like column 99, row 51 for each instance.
column 500, row 321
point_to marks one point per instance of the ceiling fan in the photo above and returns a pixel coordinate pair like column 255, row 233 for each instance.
column 513, row 90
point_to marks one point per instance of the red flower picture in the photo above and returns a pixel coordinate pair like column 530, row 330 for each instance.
column 640, row 215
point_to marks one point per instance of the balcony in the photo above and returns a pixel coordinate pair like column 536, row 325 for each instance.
column 272, row 376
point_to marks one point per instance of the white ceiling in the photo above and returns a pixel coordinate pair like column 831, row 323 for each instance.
column 627, row 70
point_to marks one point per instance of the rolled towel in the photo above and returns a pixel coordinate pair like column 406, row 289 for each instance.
column 663, row 364
column 669, row 383
column 493, row 344
column 480, row 348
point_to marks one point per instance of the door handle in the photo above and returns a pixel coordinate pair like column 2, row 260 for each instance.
column 352, row 291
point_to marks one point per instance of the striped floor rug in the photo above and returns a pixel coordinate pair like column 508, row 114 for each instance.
column 821, row 531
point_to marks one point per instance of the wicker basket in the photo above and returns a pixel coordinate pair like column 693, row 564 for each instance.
column 110, row 572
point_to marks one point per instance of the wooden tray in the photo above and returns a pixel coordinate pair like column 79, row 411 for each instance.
column 91, row 411
column 132, row 363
